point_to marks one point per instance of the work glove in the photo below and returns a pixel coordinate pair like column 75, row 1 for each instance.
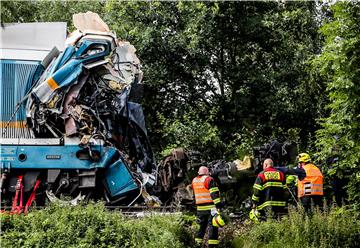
column 214, row 211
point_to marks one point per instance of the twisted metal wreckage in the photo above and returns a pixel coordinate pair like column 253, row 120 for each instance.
column 71, row 130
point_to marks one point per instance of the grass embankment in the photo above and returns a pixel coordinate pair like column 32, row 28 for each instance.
column 94, row 226
column 334, row 228
column 91, row 226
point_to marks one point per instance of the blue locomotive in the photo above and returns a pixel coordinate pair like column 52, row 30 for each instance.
column 71, row 126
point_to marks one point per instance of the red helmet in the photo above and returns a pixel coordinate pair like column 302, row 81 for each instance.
column 203, row 170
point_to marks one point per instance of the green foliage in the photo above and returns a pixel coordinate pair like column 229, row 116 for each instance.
column 47, row 11
column 339, row 67
column 90, row 226
column 336, row 228
column 193, row 133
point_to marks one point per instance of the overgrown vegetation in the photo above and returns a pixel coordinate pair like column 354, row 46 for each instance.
column 335, row 228
column 95, row 226
column 91, row 226
column 339, row 67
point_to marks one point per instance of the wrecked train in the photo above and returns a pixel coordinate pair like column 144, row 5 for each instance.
column 70, row 129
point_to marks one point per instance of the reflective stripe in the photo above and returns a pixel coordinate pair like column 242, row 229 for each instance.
column 213, row 242
column 198, row 240
column 202, row 194
column 217, row 200
column 312, row 191
column 273, row 184
column 214, row 189
column 199, row 179
column 203, row 199
column 271, row 203
column 202, row 208
column 257, row 186
column 268, row 184
column 255, row 198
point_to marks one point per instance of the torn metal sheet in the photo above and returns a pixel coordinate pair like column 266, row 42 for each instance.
column 89, row 21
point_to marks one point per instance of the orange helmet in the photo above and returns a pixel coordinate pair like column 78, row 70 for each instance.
column 203, row 170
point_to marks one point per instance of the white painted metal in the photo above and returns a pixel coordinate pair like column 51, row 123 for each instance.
column 39, row 142
column 31, row 41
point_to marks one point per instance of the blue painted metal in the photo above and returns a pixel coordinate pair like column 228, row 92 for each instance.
column 64, row 57
column 118, row 179
column 49, row 157
column 68, row 73
column 86, row 45
column 69, row 65
column 16, row 78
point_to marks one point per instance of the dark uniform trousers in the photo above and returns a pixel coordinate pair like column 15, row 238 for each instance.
column 311, row 201
column 204, row 219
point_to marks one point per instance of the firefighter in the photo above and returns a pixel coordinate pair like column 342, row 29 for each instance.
column 269, row 190
column 310, row 189
column 208, row 204
column 309, row 182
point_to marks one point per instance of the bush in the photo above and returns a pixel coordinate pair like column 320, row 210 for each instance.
column 336, row 228
column 90, row 226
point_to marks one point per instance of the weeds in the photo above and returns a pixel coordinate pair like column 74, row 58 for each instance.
column 94, row 226
column 90, row 226
column 331, row 228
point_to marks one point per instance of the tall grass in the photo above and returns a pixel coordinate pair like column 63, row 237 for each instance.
column 90, row 226
column 94, row 226
column 331, row 228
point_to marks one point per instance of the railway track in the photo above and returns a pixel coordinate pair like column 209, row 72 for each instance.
column 145, row 211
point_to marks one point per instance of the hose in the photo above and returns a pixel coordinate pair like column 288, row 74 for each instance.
column 141, row 190
column 292, row 195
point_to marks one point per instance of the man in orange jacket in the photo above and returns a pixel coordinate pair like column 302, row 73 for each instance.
column 207, row 199
column 310, row 189
column 310, row 181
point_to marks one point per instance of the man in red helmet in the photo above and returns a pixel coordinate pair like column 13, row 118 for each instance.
column 207, row 199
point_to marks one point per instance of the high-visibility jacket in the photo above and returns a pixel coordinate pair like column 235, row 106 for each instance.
column 269, row 189
column 202, row 194
column 312, row 184
column 207, row 194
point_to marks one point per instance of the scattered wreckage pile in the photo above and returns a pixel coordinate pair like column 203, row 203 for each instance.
column 89, row 139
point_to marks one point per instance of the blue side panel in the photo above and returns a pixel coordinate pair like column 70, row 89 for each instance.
column 118, row 179
column 16, row 79
column 51, row 157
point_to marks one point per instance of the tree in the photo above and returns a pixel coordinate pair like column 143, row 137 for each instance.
column 339, row 66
